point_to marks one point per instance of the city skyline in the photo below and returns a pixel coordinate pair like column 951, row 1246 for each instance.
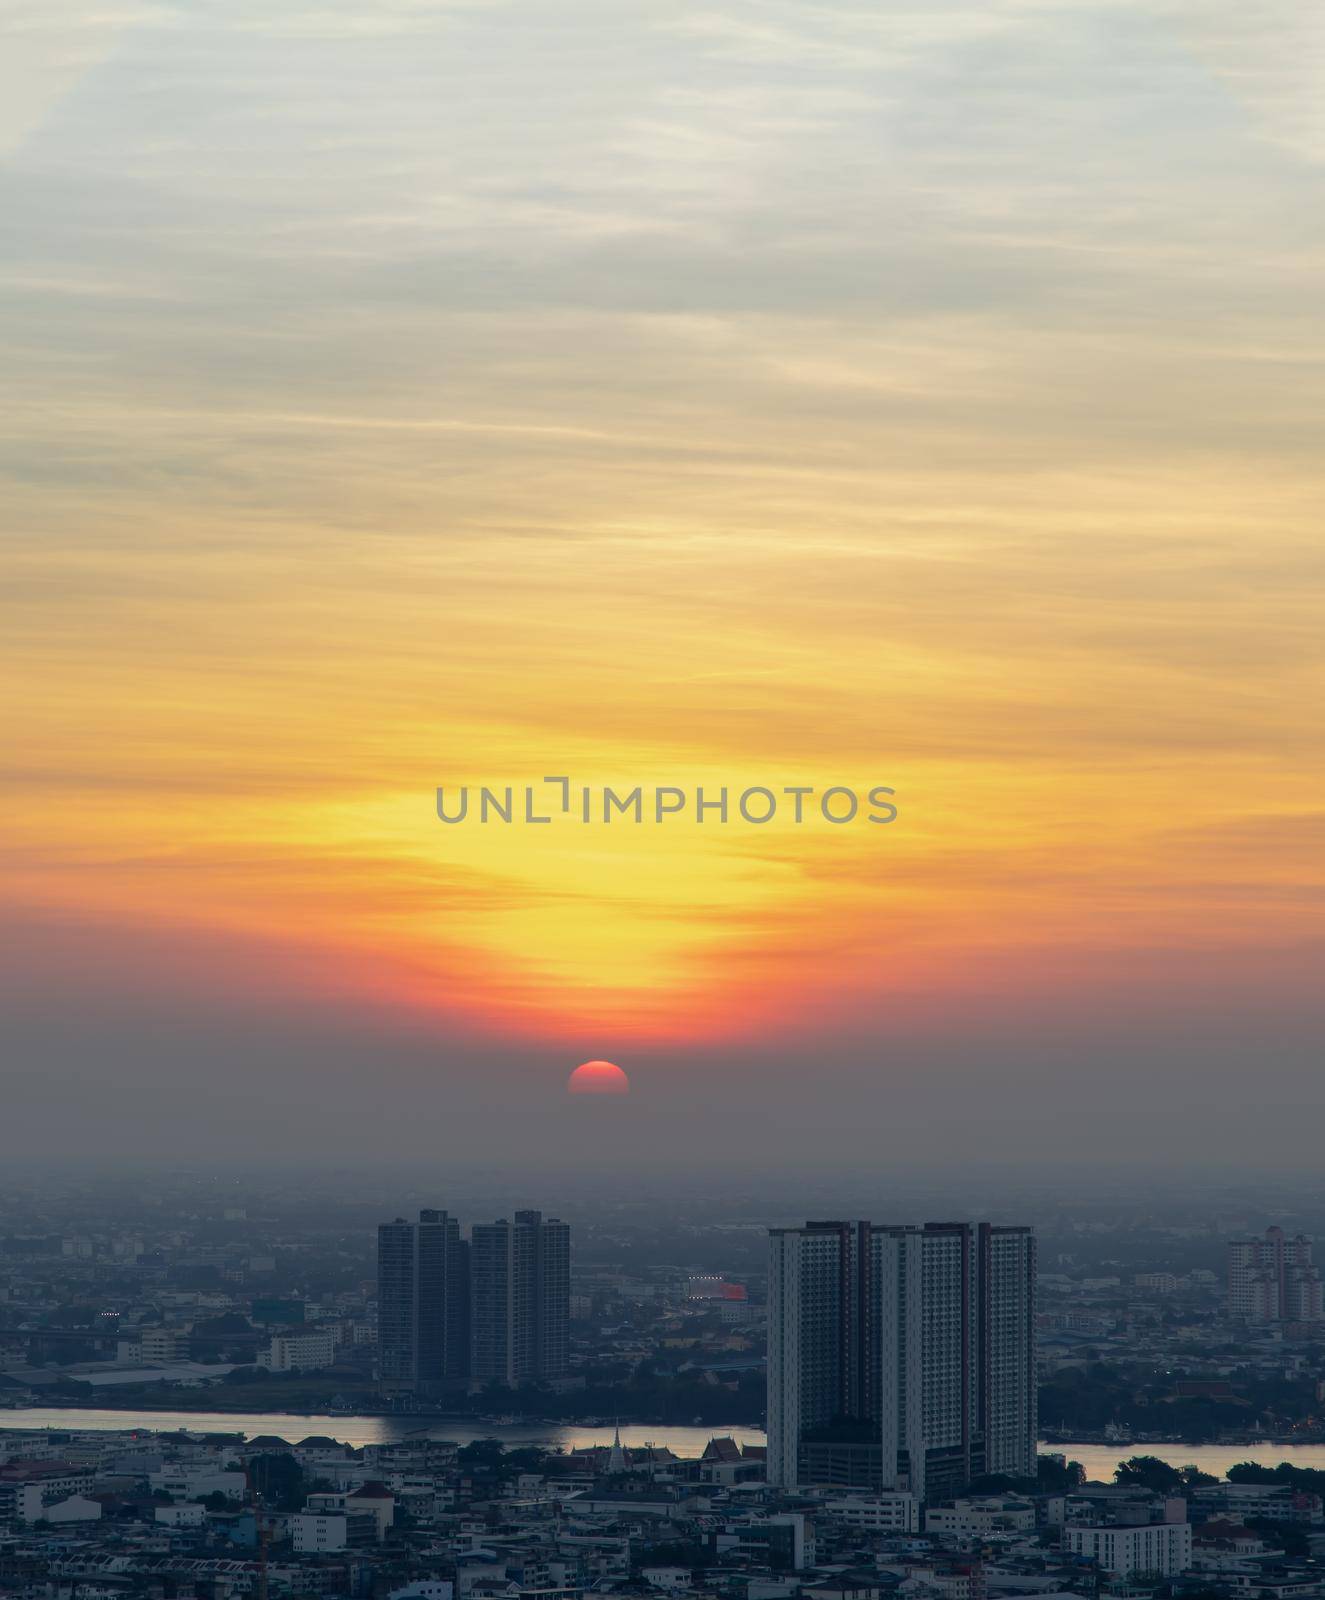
column 662, row 850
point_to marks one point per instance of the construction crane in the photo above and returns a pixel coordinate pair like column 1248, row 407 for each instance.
column 260, row 1527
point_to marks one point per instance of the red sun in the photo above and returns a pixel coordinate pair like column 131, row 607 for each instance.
column 598, row 1077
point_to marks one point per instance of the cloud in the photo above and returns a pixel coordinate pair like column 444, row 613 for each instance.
column 407, row 394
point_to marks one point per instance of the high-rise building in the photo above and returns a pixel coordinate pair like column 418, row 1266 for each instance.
column 1273, row 1279
column 520, row 1297
column 900, row 1357
column 422, row 1305
column 1008, row 1387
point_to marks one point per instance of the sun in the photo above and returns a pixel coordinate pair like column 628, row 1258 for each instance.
column 598, row 1077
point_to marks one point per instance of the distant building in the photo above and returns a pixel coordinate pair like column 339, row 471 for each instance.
column 77, row 1508
column 495, row 1309
column 195, row 1481
column 193, row 1514
column 900, row 1357
column 784, row 1542
column 305, row 1351
column 422, row 1305
column 1275, row 1502
column 982, row 1515
column 155, row 1347
column 671, row 1580
column 1159, row 1549
column 1156, row 1282
column 895, row 1511
column 520, row 1296
column 371, row 1497
column 27, row 1487
column 1273, row 1279
column 321, row 1533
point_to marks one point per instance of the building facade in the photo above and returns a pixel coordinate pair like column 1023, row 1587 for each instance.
column 1008, row 1390
column 1273, row 1279
column 520, row 1298
column 307, row 1350
column 900, row 1357
column 1156, row 1549
column 325, row 1533
column 423, row 1331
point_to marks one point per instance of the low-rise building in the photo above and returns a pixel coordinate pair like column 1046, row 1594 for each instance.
column 77, row 1508
column 28, row 1487
column 897, row 1512
column 307, row 1350
column 1160, row 1548
column 984, row 1514
column 190, row 1515
column 321, row 1533
column 184, row 1482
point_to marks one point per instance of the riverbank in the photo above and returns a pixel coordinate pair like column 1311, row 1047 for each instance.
column 1098, row 1459
column 360, row 1430
column 247, row 1405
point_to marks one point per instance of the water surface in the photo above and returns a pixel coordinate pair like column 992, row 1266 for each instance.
column 1099, row 1460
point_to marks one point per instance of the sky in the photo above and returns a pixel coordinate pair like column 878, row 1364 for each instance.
column 413, row 394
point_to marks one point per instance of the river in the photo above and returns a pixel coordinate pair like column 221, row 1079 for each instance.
column 372, row 1430
column 1099, row 1460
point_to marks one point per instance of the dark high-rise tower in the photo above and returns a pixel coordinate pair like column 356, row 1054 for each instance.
column 422, row 1305
column 520, row 1299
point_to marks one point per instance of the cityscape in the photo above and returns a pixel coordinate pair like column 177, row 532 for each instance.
column 662, row 856
column 214, row 1389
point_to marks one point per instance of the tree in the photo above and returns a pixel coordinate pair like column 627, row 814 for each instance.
column 1147, row 1472
column 1309, row 1480
column 1058, row 1477
column 1294, row 1541
column 481, row 1454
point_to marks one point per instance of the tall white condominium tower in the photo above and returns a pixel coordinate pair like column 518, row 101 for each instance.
column 1008, row 1389
column 900, row 1357
column 1273, row 1279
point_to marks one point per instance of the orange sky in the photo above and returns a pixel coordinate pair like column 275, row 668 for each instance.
column 922, row 397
